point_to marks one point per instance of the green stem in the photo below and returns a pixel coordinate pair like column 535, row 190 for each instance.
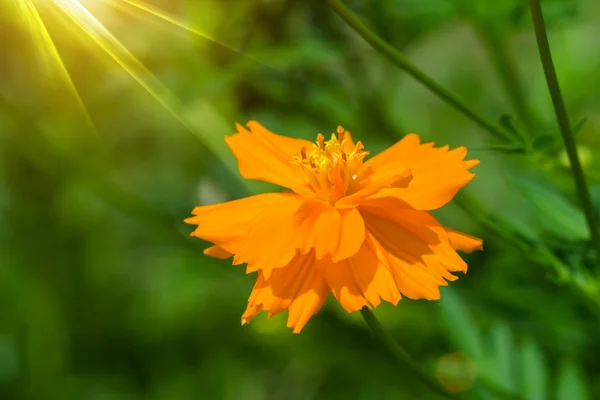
column 401, row 354
column 563, row 121
column 507, row 73
column 399, row 60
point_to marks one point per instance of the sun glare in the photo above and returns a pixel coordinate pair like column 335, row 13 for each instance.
column 81, row 22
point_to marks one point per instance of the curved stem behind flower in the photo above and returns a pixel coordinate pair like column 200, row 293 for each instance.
column 399, row 60
column 563, row 121
column 401, row 354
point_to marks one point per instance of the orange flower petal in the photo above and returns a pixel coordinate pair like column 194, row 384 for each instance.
column 217, row 252
column 361, row 280
column 376, row 184
column 269, row 244
column 414, row 246
column 305, row 220
column 325, row 234
column 438, row 173
column 297, row 287
column 338, row 233
column 414, row 234
column 351, row 236
column 220, row 223
column 258, row 230
column 266, row 156
column 412, row 280
column 463, row 242
column 341, row 278
column 308, row 301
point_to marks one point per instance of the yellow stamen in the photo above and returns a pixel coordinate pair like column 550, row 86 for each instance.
column 340, row 131
column 303, row 153
column 320, row 139
column 333, row 168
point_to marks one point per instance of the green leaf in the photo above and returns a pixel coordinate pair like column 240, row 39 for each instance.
column 577, row 127
column 534, row 376
column 521, row 228
column 503, row 351
column 571, row 384
column 544, row 142
column 462, row 328
column 554, row 213
column 508, row 122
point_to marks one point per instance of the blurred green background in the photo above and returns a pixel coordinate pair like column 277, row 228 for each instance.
column 103, row 295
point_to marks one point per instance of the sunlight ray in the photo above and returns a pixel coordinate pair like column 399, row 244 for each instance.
column 100, row 35
column 82, row 24
column 83, row 19
column 47, row 49
column 165, row 16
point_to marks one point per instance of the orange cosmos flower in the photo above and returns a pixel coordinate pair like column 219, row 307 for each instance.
column 360, row 229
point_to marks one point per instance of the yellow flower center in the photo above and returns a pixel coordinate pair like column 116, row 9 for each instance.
column 333, row 168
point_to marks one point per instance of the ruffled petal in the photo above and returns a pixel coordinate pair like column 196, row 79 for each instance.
column 438, row 173
column 297, row 287
column 413, row 245
column 341, row 278
column 266, row 156
column 308, row 301
column 463, row 242
column 362, row 280
column 224, row 222
column 259, row 230
column 413, row 280
column 217, row 252
column 324, row 236
column 352, row 235
column 375, row 184
column 306, row 219
column 269, row 244
column 333, row 232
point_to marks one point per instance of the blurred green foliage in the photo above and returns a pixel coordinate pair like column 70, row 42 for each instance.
column 104, row 296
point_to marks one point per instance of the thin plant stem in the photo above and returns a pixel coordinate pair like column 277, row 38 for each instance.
column 404, row 64
column 399, row 353
column 581, row 185
column 402, row 355
column 506, row 71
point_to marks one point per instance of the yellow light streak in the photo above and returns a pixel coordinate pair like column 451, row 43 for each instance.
column 79, row 17
column 102, row 37
column 165, row 16
column 74, row 15
column 52, row 60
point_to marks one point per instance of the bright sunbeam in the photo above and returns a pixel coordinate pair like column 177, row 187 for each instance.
column 163, row 15
column 47, row 51
column 83, row 24
column 82, row 18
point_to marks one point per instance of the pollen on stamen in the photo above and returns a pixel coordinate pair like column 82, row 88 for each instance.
column 340, row 131
column 303, row 153
column 333, row 168
column 321, row 141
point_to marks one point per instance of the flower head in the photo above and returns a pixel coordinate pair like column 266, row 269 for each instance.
column 355, row 227
column 333, row 168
